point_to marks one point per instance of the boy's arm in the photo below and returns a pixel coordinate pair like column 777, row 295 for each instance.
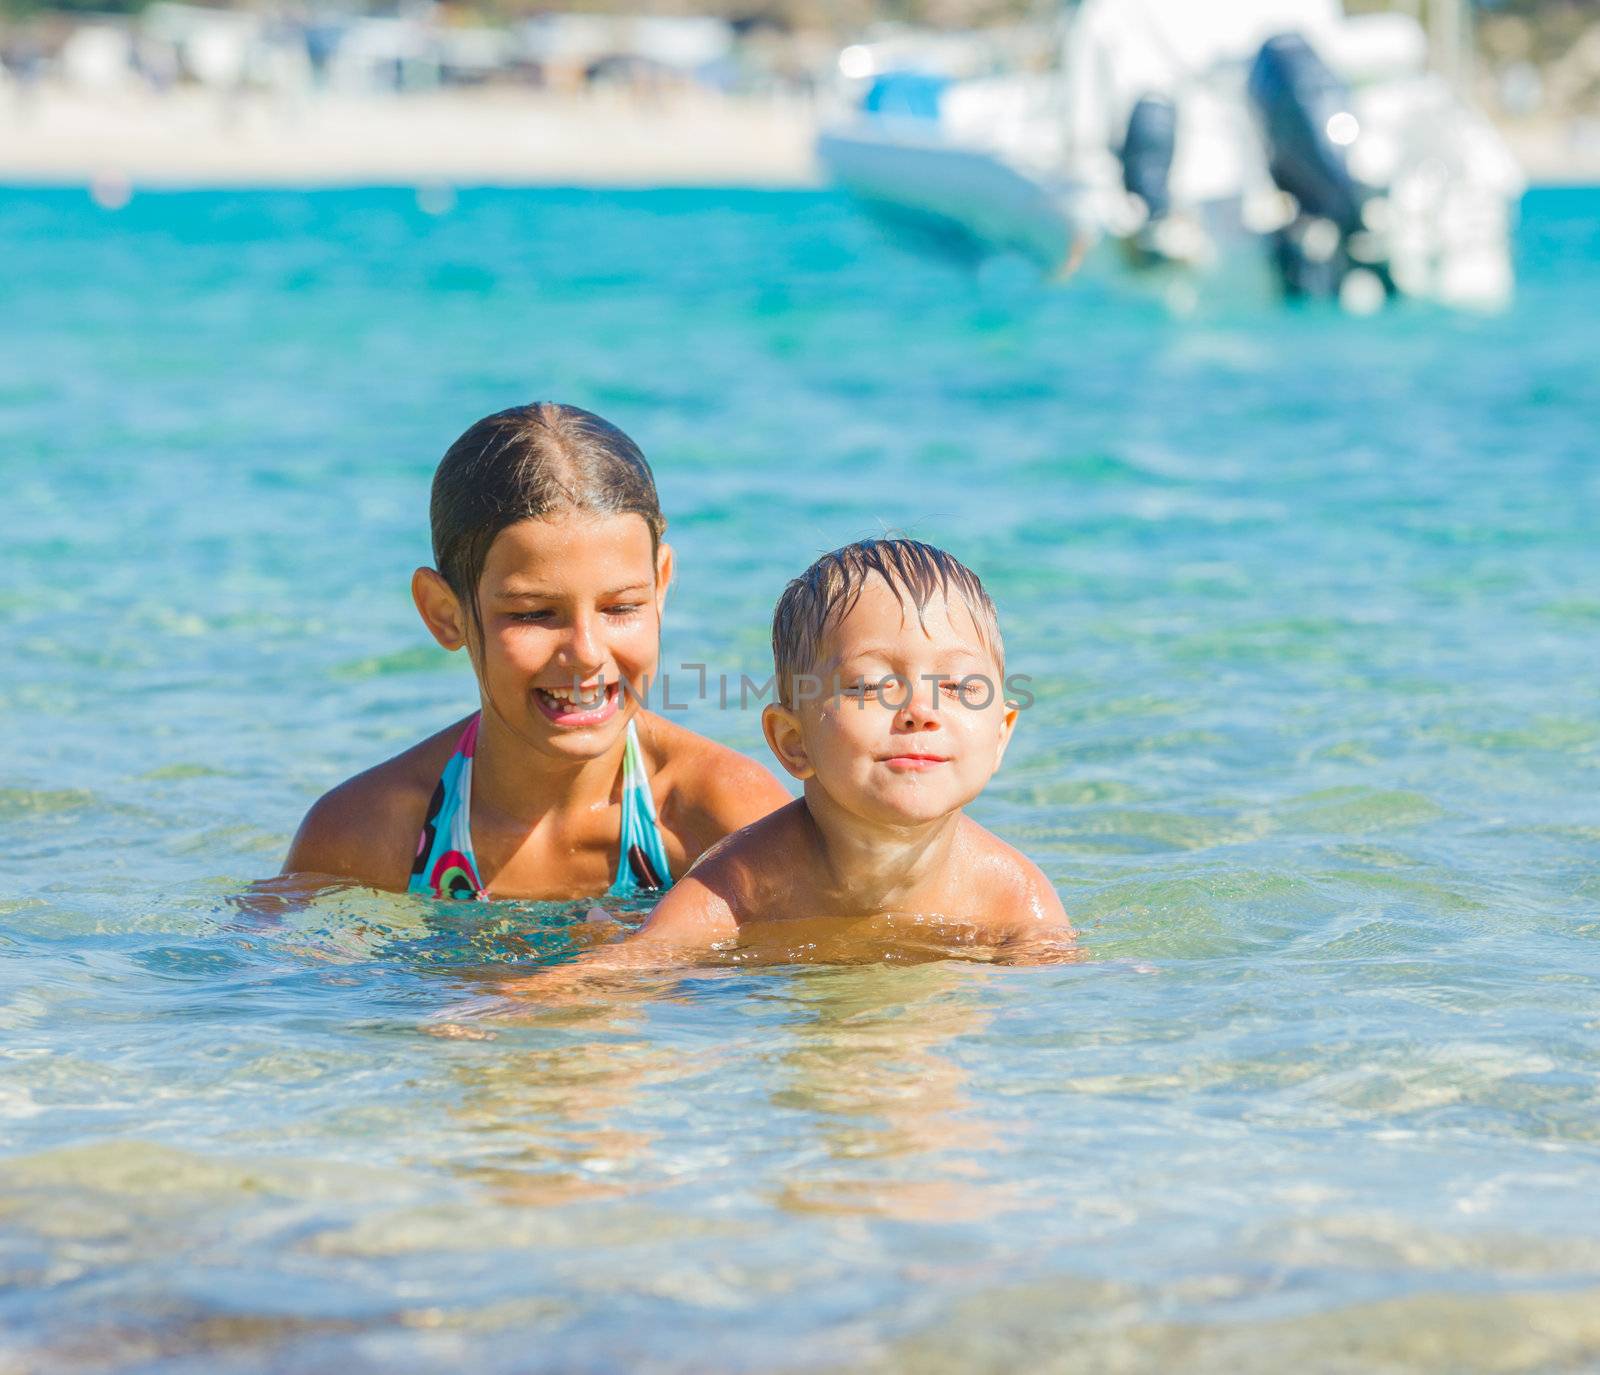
column 684, row 925
column 692, row 917
column 703, row 908
column 1038, row 930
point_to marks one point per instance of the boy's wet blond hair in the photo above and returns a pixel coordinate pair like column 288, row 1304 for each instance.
column 825, row 593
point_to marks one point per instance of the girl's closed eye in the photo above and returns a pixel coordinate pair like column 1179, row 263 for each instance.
column 544, row 615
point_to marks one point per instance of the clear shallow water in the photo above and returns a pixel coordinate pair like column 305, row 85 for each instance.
column 1313, row 612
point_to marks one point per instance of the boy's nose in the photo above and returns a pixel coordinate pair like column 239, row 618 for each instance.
column 918, row 713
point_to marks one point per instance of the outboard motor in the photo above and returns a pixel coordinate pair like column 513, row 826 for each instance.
column 1307, row 121
column 1147, row 153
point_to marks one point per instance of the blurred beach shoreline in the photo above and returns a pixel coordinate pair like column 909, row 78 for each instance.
column 176, row 94
column 1555, row 152
column 505, row 137
column 195, row 138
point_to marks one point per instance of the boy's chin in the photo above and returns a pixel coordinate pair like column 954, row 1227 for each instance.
column 914, row 810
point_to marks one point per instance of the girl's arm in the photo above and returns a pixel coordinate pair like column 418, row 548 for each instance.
column 363, row 831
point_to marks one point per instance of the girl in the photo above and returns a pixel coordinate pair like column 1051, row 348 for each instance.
column 550, row 571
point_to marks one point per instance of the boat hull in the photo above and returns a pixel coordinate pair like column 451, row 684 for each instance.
column 968, row 195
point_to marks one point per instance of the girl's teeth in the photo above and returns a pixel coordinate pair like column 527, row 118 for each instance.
column 592, row 699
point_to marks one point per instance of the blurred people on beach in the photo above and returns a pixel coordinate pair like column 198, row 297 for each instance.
column 142, row 82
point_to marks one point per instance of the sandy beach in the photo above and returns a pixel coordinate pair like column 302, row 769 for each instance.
column 1555, row 152
column 200, row 138
column 193, row 137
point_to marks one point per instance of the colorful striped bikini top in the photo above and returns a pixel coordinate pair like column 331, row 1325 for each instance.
column 447, row 868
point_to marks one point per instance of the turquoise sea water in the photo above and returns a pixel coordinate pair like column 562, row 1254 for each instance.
column 1312, row 606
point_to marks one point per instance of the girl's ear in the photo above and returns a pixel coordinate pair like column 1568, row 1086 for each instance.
column 782, row 729
column 664, row 562
column 440, row 608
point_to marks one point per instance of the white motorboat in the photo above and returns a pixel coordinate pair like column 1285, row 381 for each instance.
column 1204, row 139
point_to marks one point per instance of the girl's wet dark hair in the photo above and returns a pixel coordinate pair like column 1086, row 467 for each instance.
column 528, row 462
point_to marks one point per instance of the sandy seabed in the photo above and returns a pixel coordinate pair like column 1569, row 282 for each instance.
column 201, row 138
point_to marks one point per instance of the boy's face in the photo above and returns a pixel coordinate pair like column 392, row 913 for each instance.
column 910, row 720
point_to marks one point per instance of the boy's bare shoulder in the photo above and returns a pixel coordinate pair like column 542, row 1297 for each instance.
column 739, row 879
column 366, row 829
column 757, row 857
column 1018, row 895
column 705, row 789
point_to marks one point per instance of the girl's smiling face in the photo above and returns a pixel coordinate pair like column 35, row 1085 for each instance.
column 570, row 612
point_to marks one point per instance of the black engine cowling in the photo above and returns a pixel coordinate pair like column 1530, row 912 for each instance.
column 1298, row 100
column 1301, row 105
column 1147, row 153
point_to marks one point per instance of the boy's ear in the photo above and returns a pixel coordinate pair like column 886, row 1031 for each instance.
column 664, row 566
column 439, row 607
column 1008, row 726
column 782, row 729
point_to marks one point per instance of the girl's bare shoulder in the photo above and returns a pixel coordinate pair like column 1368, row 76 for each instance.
column 703, row 789
column 366, row 829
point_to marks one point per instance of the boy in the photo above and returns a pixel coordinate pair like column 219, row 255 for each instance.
column 891, row 710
